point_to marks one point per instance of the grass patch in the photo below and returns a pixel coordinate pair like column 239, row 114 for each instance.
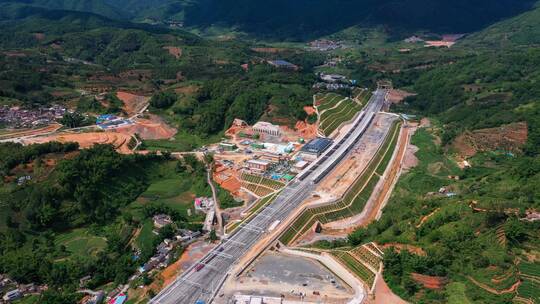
column 145, row 239
column 31, row 299
column 167, row 188
column 80, row 242
column 456, row 293
column 181, row 142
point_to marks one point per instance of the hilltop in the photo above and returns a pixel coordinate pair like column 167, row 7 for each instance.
column 302, row 19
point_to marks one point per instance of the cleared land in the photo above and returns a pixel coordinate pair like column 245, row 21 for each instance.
column 276, row 274
column 87, row 140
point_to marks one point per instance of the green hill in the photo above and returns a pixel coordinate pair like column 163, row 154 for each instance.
column 309, row 18
column 99, row 7
column 520, row 30
column 303, row 19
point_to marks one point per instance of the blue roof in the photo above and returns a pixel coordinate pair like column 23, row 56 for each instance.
column 281, row 62
column 317, row 145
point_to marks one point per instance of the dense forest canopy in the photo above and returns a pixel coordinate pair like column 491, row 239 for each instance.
column 304, row 19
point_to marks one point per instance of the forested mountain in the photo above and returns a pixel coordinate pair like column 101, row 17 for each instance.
column 93, row 6
column 302, row 19
column 523, row 29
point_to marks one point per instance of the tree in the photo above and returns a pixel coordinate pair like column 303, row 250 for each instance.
column 515, row 231
column 213, row 236
column 72, row 120
column 163, row 100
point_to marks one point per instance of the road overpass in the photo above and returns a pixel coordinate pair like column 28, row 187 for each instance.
column 203, row 280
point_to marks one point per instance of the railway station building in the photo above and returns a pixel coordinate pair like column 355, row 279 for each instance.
column 315, row 148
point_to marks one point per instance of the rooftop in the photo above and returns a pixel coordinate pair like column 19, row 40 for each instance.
column 317, row 145
column 259, row 162
column 281, row 63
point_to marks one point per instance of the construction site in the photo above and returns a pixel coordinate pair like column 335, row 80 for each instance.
column 298, row 191
column 299, row 186
column 352, row 195
column 124, row 133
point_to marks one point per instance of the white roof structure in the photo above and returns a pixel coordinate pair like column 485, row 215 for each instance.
column 259, row 162
column 266, row 127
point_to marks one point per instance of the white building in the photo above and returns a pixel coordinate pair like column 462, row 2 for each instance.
column 267, row 128
column 12, row 295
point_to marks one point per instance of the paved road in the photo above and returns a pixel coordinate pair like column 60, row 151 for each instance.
column 203, row 280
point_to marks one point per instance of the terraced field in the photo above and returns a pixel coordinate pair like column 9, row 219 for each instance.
column 367, row 256
column 530, row 269
column 529, row 289
column 530, row 286
column 327, row 101
column 361, row 95
column 260, row 185
column 331, row 119
column 355, row 198
column 357, row 268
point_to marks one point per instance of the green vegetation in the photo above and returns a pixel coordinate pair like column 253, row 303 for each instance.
column 12, row 154
column 328, row 101
column 82, row 212
column 530, row 269
column 80, row 216
column 456, row 293
column 163, row 99
column 80, row 242
column 453, row 250
column 358, row 268
column 529, row 290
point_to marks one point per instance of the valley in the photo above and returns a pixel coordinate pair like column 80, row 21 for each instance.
column 179, row 151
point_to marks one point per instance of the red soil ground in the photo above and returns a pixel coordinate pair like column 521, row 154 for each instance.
column 174, row 51
column 309, row 110
column 152, row 128
column 132, row 103
column 397, row 96
column 305, row 130
column 39, row 36
column 440, row 43
column 191, row 255
column 509, row 137
column 87, row 140
column 411, row 248
column 227, row 179
column 429, row 282
column 268, row 50
column 384, row 295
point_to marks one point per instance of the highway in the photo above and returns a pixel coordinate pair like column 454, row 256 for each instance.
column 204, row 279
